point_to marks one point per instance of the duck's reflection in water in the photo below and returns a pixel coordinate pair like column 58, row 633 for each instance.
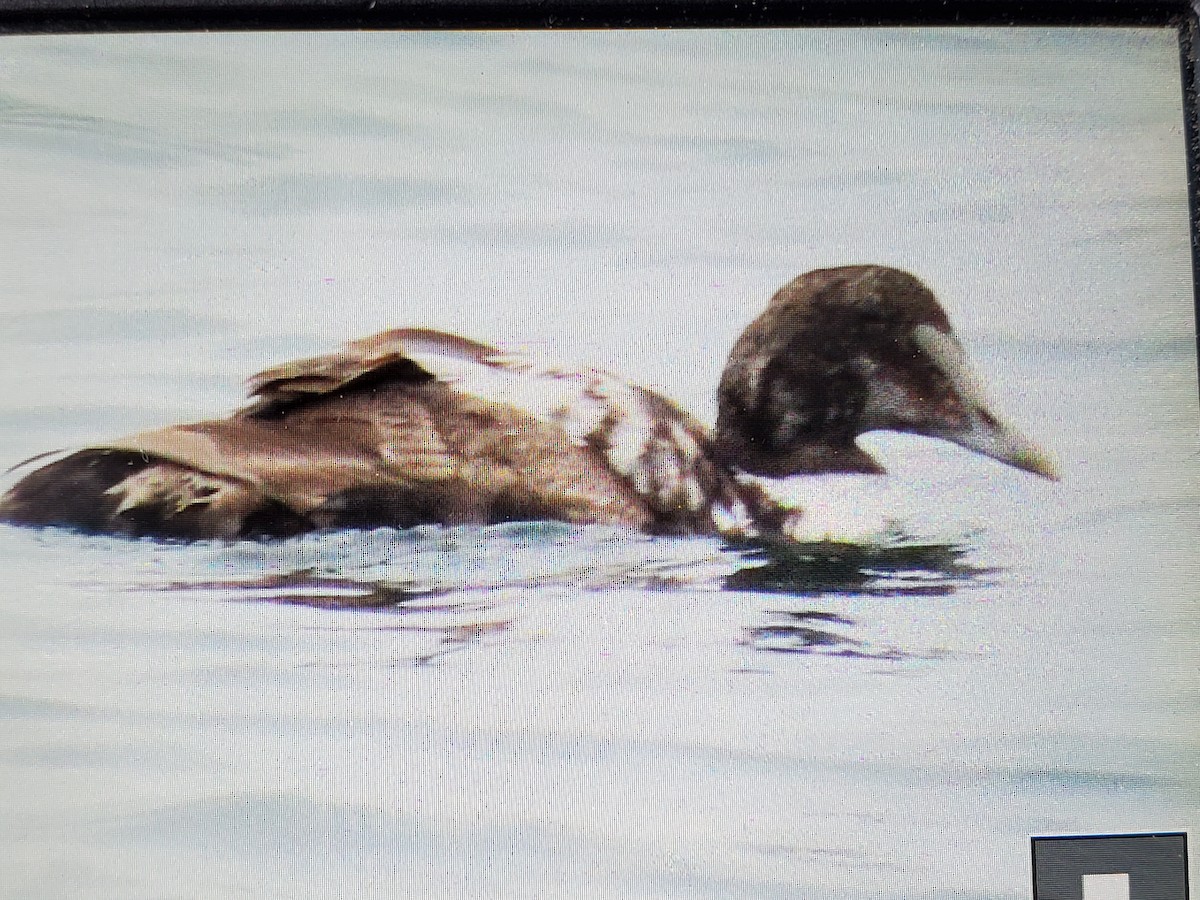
column 459, row 615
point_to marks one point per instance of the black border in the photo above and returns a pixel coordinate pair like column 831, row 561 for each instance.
column 50, row 16
column 1187, row 880
column 98, row 16
column 1189, row 45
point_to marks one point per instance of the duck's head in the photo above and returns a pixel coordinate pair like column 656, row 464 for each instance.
column 840, row 352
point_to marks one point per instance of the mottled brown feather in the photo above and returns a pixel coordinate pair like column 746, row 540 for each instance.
column 331, row 372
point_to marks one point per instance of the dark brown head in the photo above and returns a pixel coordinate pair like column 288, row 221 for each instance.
column 840, row 352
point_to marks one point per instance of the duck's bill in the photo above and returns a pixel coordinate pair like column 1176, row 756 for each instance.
column 994, row 438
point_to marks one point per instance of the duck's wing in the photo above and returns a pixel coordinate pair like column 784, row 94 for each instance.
column 645, row 441
column 388, row 356
column 579, row 444
column 228, row 478
column 404, row 427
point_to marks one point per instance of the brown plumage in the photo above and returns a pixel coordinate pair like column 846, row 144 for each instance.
column 415, row 426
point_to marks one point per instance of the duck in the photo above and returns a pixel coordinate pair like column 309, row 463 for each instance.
column 414, row 426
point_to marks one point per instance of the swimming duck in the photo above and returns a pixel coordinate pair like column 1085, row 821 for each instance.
column 414, row 426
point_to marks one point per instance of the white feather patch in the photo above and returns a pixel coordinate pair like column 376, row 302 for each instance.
column 685, row 443
column 734, row 519
column 552, row 396
column 631, row 432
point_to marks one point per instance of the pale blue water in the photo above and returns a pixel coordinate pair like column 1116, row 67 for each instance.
column 537, row 710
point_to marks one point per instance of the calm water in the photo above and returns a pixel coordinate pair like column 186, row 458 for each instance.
column 537, row 710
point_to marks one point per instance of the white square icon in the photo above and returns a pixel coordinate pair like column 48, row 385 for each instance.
column 1109, row 886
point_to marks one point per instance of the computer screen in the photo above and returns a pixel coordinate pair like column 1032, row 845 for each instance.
column 687, row 463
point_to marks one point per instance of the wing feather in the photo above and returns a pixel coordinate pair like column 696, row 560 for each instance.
column 301, row 466
column 394, row 353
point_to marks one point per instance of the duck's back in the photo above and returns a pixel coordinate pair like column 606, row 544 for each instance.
column 404, row 428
